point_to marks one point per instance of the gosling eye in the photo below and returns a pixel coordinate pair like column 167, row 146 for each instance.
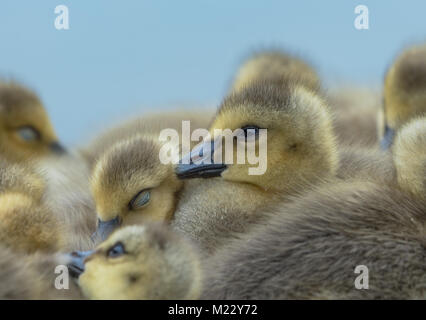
column 140, row 200
column 28, row 133
column 116, row 250
column 251, row 131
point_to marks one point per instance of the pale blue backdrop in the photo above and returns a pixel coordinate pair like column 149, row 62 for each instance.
column 122, row 57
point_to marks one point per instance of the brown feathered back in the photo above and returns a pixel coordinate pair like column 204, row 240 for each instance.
column 309, row 249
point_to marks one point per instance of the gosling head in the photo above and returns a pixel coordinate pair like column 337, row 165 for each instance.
column 130, row 185
column 409, row 154
column 25, row 128
column 300, row 143
column 274, row 64
column 404, row 92
column 139, row 262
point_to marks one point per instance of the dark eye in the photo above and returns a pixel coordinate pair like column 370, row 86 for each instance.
column 116, row 250
column 250, row 131
column 28, row 133
column 140, row 200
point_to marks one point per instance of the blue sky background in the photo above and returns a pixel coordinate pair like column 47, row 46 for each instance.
column 124, row 57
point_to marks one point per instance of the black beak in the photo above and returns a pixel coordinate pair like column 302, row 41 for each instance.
column 200, row 162
column 105, row 228
column 388, row 137
column 57, row 148
column 76, row 266
column 190, row 171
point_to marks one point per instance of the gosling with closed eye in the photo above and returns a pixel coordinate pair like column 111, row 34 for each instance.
column 130, row 185
column 140, row 262
column 28, row 139
column 25, row 128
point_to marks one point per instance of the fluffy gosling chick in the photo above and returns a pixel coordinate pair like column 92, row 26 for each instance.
column 140, row 262
column 274, row 64
column 25, row 128
column 130, row 184
column 300, row 140
column 301, row 152
column 354, row 110
column 404, row 92
column 310, row 248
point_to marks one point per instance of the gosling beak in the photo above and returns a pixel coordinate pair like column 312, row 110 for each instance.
column 76, row 266
column 200, row 162
column 388, row 137
column 105, row 228
column 57, row 148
